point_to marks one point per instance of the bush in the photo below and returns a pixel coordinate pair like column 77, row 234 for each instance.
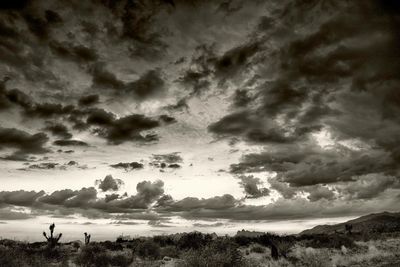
column 327, row 241
column 15, row 257
column 311, row 257
column 217, row 254
column 257, row 249
column 148, row 250
column 121, row 260
column 194, row 240
column 170, row 251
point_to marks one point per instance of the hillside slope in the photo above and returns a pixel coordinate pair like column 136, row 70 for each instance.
column 384, row 222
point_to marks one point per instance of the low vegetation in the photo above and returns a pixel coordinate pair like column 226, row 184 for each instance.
column 196, row 250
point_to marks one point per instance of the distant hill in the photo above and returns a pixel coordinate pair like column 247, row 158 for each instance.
column 384, row 222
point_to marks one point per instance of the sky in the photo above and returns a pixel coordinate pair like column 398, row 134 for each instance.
column 146, row 117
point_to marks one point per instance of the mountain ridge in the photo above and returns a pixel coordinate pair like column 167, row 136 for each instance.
column 383, row 222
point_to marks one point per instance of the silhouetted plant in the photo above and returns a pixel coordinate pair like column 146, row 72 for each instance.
column 87, row 238
column 51, row 240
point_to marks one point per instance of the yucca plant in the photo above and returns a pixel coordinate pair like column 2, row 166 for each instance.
column 87, row 238
column 51, row 240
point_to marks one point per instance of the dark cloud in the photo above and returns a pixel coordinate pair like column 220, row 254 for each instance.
column 323, row 80
column 251, row 186
column 59, row 130
column 86, row 202
column 73, row 52
column 198, row 76
column 247, row 125
column 137, row 19
column 128, row 166
column 100, row 117
column 174, row 166
column 88, row 100
column 111, row 197
column 167, row 119
column 19, row 198
column 82, row 199
column 368, row 186
column 103, row 78
column 149, row 85
column 235, row 60
column 125, row 129
column 320, row 192
column 163, row 161
column 110, row 184
column 192, row 203
column 14, row 5
column 53, row 166
column 58, row 197
column 24, row 143
column 168, row 158
column 308, row 165
column 47, row 110
column 70, row 143
column 44, row 166
column 241, row 98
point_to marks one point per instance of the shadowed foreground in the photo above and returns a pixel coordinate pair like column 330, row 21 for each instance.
column 372, row 240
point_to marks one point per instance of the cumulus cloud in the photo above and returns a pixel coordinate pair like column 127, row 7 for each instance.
column 251, row 186
column 110, row 184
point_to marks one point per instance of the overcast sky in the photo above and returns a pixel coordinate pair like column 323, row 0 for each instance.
column 160, row 116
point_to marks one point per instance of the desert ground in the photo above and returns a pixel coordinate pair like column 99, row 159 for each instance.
column 372, row 240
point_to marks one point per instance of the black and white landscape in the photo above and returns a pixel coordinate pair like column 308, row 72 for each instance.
column 199, row 133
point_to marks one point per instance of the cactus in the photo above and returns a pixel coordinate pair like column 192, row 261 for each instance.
column 87, row 239
column 51, row 240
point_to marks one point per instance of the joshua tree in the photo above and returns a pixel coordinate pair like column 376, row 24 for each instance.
column 87, row 238
column 51, row 240
column 348, row 228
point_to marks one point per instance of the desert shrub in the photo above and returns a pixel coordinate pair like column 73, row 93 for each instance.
column 16, row 257
column 170, row 251
column 194, row 240
column 242, row 240
column 163, row 240
column 327, row 241
column 121, row 260
column 310, row 257
column 258, row 249
column 284, row 246
column 93, row 255
column 113, row 246
column 148, row 250
column 220, row 253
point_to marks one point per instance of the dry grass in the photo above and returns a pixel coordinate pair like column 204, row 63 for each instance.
column 222, row 252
